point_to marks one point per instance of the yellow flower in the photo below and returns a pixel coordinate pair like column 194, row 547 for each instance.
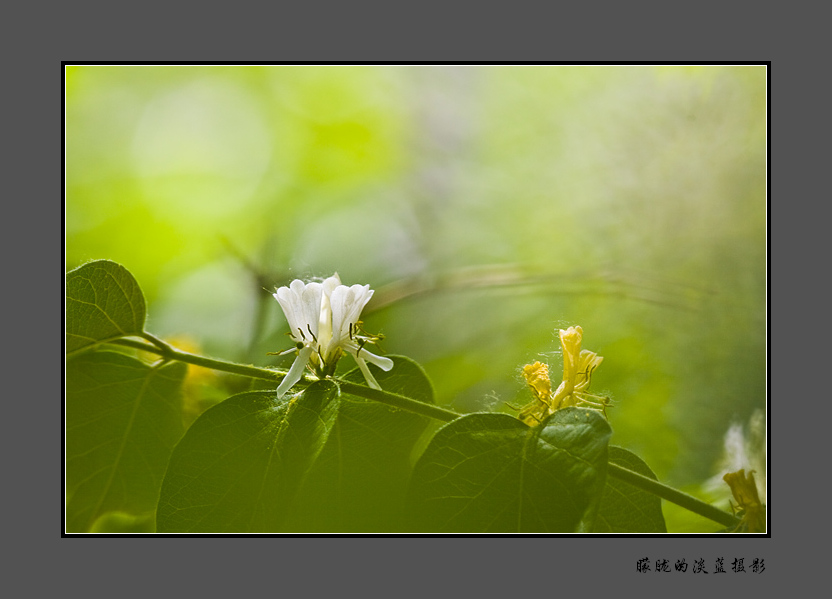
column 749, row 507
column 578, row 366
column 537, row 376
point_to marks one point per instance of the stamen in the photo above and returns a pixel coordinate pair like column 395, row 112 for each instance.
column 602, row 400
column 601, row 404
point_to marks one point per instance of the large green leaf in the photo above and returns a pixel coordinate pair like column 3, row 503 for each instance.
column 359, row 481
column 241, row 463
column 491, row 473
column 103, row 302
column 123, row 418
column 314, row 462
column 624, row 507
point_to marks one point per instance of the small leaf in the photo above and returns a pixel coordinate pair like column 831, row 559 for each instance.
column 626, row 508
column 492, row 473
column 359, row 481
column 123, row 418
column 103, row 302
column 241, row 463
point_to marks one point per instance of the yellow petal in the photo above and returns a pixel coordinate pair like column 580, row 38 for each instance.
column 537, row 377
column 744, row 489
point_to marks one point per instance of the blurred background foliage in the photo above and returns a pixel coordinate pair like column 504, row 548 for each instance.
column 487, row 205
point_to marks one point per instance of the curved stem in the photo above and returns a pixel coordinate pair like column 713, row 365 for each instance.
column 161, row 348
column 157, row 342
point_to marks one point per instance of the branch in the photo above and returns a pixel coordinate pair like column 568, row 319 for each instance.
column 689, row 502
column 161, row 348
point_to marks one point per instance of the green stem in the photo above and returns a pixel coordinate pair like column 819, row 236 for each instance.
column 399, row 401
column 684, row 500
column 166, row 351
column 392, row 399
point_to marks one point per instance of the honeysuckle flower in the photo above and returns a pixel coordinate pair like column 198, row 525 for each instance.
column 324, row 323
column 578, row 366
column 537, row 377
column 749, row 507
column 744, row 447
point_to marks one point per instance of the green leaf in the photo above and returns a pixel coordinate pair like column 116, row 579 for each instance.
column 492, row 473
column 241, row 463
column 123, row 418
column 359, row 481
column 103, row 302
column 315, row 462
column 626, row 508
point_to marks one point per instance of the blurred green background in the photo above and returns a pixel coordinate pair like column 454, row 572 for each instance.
column 487, row 205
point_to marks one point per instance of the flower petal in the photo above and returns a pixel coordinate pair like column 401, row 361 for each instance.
column 588, row 361
column 328, row 286
column 384, row 363
column 570, row 342
column 295, row 372
column 347, row 304
column 290, row 302
column 331, row 283
column 368, row 376
column 311, row 301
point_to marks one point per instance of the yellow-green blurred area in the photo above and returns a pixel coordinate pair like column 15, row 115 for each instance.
column 487, row 205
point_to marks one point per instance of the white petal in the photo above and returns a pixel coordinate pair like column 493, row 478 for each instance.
column 331, row 283
column 297, row 286
column 325, row 316
column 384, row 363
column 295, row 372
column 347, row 304
column 361, row 295
column 368, row 376
column 338, row 300
column 301, row 304
column 311, row 300
column 293, row 310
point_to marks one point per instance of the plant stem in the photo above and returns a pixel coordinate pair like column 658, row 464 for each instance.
column 684, row 500
column 392, row 399
column 170, row 353
column 399, row 401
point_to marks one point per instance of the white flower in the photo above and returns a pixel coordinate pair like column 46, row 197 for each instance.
column 324, row 323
